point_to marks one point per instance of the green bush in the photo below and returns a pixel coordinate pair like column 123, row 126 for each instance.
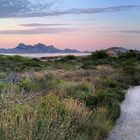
column 29, row 85
column 68, row 58
column 99, row 55
column 104, row 98
column 73, row 89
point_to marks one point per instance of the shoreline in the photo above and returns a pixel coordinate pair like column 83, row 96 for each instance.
column 45, row 55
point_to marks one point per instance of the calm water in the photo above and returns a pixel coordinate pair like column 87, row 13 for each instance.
column 128, row 126
column 50, row 54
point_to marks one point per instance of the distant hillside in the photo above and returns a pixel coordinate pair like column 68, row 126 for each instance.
column 38, row 48
column 116, row 50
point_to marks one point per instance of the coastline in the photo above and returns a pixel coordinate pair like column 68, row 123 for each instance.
column 45, row 55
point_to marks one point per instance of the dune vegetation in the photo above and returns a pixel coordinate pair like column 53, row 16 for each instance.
column 74, row 98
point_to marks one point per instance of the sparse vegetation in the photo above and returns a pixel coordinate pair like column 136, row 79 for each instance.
column 75, row 98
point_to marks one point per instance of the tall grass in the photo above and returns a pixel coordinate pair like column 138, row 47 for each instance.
column 68, row 102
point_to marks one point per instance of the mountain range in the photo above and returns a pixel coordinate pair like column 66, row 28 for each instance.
column 41, row 48
column 38, row 48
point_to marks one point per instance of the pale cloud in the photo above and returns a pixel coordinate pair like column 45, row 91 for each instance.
column 42, row 25
column 32, row 8
column 38, row 31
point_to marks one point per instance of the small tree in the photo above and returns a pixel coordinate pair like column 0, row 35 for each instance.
column 99, row 55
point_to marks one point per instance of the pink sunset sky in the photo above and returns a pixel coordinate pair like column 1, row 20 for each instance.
column 83, row 25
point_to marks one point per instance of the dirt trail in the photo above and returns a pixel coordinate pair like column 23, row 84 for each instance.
column 128, row 125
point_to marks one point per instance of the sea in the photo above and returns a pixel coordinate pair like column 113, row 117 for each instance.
column 39, row 55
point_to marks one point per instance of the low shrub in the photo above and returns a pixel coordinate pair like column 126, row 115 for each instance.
column 29, row 85
column 74, row 89
column 68, row 58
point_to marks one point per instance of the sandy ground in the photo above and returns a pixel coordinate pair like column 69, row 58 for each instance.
column 128, row 125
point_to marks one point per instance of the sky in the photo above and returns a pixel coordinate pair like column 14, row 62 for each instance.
column 75, row 24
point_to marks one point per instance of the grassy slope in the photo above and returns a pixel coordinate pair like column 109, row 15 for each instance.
column 76, row 98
